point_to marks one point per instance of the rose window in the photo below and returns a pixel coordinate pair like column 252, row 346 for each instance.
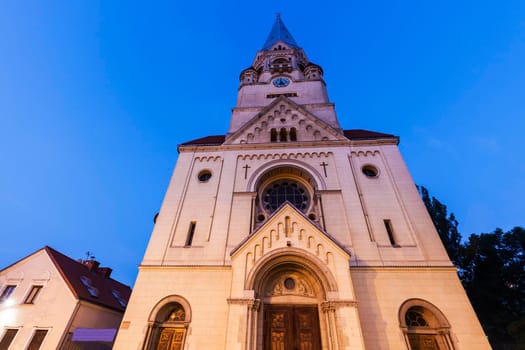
column 275, row 194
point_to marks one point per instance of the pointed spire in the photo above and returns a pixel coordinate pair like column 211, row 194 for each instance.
column 279, row 33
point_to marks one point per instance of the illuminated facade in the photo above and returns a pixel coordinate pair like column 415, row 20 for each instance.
column 290, row 232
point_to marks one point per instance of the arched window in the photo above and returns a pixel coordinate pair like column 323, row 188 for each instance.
column 276, row 193
column 286, row 184
column 282, row 135
column 273, row 135
column 170, row 320
column 424, row 326
column 293, row 134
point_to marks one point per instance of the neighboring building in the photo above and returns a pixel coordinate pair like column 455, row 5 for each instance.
column 46, row 297
column 289, row 232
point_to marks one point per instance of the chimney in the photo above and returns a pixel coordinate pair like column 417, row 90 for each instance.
column 104, row 271
column 92, row 265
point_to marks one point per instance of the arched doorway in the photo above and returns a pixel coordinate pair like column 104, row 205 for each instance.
column 291, row 288
column 168, row 324
column 291, row 315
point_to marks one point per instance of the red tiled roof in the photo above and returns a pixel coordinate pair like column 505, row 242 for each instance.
column 212, row 140
column 354, row 134
column 360, row 134
column 73, row 270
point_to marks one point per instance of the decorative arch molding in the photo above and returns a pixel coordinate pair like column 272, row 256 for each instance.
column 208, row 159
column 428, row 326
column 416, row 302
column 163, row 307
column 313, row 289
column 365, row 153
column 299, row 155
column 275, row 164
column 291, row 259
column 277, row 182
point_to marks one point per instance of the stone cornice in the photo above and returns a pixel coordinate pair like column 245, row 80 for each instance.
column 252, row 303
column 286, row 145
column 332, row 305
column 401, row 268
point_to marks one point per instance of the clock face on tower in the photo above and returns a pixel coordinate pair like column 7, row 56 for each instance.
column 281, row 82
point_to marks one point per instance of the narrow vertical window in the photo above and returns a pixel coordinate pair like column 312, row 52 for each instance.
column 293, row 134
column 30, row 299
column 8, row 290
column 273, row 135
column 390, row 232
column 8, row 337
column 191, row 232
column 282, row 135
column 37, row 340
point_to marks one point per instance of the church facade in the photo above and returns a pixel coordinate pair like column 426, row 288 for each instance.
column 290, row 232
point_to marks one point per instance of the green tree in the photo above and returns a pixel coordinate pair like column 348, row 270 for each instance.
column 445, row 223
column 493, row 274
column 491, row 267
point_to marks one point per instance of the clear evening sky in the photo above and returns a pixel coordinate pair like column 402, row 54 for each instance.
column 95, row 96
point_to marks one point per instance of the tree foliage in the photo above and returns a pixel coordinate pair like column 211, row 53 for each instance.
column 491, row 267
column 445, row 223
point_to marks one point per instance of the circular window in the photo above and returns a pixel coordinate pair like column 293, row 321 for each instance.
column 278, row 192
column 204, row 175
column 370, row 171
column 289, row 283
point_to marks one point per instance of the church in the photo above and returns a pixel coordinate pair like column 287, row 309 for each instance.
column 292, row 233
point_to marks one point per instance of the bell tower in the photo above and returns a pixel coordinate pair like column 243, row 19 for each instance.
column 281, row 68
column 289, row 232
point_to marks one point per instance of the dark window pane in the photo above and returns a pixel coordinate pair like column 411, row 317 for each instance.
column 37, row 340
column 8, row 337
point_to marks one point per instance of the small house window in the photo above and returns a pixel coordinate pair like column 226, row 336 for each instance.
column 117, row 296
column 37, row 340
column 30, row 299
column 8, row 337
column 8, row 290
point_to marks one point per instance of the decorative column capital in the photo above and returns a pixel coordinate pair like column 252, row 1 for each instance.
column 253, row 304
column 332, row 305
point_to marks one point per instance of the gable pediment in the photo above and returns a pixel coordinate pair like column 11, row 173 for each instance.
column 288, row 228
column 284, row 122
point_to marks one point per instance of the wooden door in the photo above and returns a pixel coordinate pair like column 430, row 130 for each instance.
column 291, row 328
column 171, row 339
column 423, row 342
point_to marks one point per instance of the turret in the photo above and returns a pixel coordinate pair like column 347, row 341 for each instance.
column 281, row 68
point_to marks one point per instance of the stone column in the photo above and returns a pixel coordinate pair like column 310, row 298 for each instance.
column 329, row 313
column 245, row 309
column 253, row 315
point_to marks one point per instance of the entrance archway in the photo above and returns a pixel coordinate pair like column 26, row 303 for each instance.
column 292, row 286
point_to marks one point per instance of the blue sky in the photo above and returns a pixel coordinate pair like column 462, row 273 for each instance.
column 95, row 96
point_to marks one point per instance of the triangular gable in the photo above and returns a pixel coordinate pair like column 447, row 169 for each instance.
column 288, row 227
column 284, row 114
